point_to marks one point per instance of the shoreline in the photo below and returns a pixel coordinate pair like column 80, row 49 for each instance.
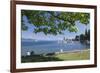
column 64, row 56
column 72, row 51
column 61, row 52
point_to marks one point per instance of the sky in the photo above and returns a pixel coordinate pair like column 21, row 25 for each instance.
column 29, row 34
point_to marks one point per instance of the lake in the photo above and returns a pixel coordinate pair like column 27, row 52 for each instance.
column 44, row 47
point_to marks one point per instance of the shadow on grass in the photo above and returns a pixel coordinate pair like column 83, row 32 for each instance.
column 39, row 58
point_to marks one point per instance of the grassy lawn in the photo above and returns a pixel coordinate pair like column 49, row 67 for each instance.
column 83, row 55
column 39, row 58
column 74, row 55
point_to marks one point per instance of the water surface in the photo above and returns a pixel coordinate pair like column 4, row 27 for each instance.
column 43, row 47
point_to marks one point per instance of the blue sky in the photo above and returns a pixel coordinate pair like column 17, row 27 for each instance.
column 29, row 34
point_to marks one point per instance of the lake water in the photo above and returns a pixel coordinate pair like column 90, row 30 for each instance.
column 41, row 47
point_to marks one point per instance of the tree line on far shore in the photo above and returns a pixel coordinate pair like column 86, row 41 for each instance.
column 83, row 37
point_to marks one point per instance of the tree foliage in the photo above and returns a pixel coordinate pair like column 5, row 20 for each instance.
column 86, row 36
column 54, row 22
column 77, row 38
